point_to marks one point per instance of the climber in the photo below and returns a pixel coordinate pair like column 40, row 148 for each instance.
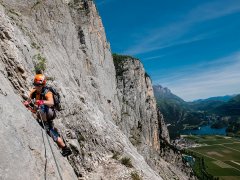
column 44, row 106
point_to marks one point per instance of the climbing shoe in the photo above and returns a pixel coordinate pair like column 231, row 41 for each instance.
column 66, row 151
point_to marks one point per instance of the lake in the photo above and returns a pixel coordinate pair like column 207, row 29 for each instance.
column 205, row 130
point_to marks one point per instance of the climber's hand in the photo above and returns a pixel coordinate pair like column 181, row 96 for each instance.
column 39, row 102
column 26, row 103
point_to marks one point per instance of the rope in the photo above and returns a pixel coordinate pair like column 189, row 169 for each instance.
column 45, row 168
column 50, row 147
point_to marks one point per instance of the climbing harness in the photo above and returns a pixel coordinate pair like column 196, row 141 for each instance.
column 38, row 111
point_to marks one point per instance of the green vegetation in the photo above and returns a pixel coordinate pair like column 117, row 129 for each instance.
column 118, row 57
column 34, row 45
column 234, row 126
column 200, row 169
column 80, row 5
column 127, row 162
column 218, row 158
column 177, row 113
column 230, row 108
column 233, row 145
column 50, row 78
column 135, row 176
column 116, row 155
column 118, row 61
column 39, row 63
column 125, row 113
column 220, row 112
column 36, row 4
column 147, row 75
column 80, row 137
column 135, row 139
column 210, row 139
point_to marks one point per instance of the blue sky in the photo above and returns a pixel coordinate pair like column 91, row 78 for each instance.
column 190, row 46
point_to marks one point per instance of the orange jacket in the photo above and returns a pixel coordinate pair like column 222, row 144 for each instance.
column 48, row 99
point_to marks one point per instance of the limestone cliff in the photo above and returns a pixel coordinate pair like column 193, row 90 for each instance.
column 69, row 34
column 141, row 120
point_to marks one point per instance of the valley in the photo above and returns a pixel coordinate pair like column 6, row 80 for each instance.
column 216, row 112
column 214, row 157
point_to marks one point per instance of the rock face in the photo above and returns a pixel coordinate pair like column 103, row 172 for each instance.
column 70, row 35
column 164, row 134
column 24, row 153
column 165, row 93
column 161, row 90
column 139, row 115
column 141, row 120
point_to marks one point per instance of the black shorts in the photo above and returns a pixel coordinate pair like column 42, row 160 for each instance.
column 50, row 112
column 49, row 127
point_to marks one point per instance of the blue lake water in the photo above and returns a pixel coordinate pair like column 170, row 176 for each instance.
column 205, row 130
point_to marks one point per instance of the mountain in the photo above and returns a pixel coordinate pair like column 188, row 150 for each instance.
column 229, row 108
column 221, row 111
column 222, row 105
column 109, row 117
column 210, row 103
column 229, row 113
column 217, row 98
column 173, row 108
column 164, row 93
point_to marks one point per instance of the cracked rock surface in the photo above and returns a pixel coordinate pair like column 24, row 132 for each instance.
column 70, row 35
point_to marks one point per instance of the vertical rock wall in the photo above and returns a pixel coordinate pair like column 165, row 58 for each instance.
column 142, row 122
column 139, row 118
column 70, row 36
column 24, row 151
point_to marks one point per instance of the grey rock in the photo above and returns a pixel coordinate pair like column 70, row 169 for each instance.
column 142, row 122
column 139, row 118
column 70, row 35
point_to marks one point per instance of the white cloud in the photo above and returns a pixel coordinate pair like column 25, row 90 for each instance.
column 171, row 34
column 214, row 10
column 162, row 44
column 219, row 77
column 154, row 57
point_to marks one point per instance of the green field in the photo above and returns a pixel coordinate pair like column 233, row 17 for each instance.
column 221, row 155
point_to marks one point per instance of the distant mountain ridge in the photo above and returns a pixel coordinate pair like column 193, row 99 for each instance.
column 229, row 108
column 217, row 98
column 184, row 115
column 164, row 92
column 171, row 106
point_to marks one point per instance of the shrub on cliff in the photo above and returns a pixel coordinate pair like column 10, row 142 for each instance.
column 135, row 176
column 127, row 162
column 118, row 61
column 39, row 63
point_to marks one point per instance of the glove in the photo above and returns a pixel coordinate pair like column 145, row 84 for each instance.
column 26, row 103
column 39, row 102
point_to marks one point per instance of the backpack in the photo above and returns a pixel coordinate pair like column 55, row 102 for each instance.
column 56, row 97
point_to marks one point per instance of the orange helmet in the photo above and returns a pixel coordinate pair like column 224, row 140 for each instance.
column 39, row 80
